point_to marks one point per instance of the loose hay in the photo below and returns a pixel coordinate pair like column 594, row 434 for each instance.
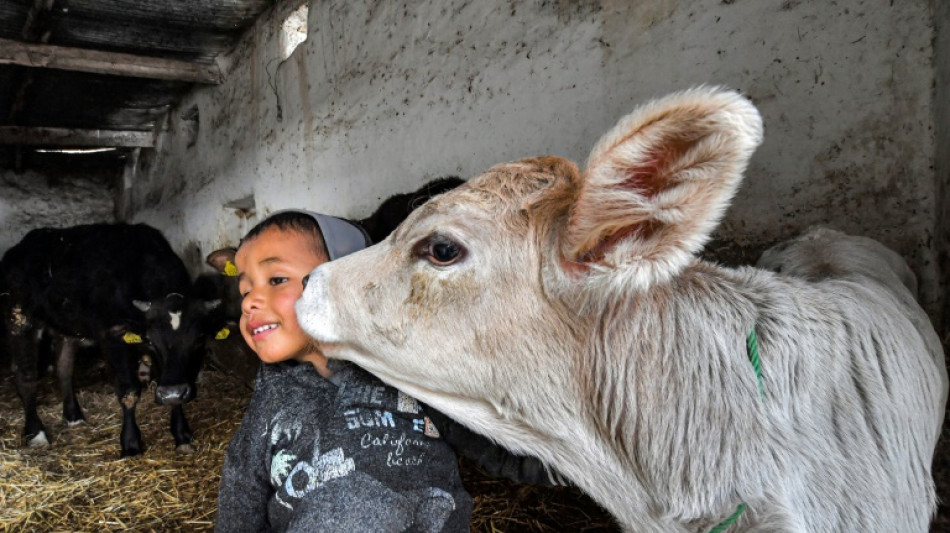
column 502, row 506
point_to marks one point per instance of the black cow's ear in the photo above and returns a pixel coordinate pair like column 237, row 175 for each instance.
column 142, row 305
column 223, row 261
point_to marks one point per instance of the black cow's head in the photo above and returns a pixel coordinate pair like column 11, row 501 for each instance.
column 177, row 327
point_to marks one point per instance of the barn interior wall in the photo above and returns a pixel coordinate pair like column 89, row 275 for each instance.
column 384, row 96
column 33, row 199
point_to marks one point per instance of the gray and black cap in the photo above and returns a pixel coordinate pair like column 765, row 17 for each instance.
column 341, row 236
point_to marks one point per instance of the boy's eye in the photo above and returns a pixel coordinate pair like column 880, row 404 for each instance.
column 277, row 280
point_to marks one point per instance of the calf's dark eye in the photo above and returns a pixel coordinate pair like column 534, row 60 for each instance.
column 445, row 252
column 441, row 251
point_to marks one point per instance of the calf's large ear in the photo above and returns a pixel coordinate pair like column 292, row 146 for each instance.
column 658, row 183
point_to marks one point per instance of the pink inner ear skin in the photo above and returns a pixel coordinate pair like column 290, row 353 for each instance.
column 640, row 231
column 574, row 269
column 651, row 175
column 648, row 177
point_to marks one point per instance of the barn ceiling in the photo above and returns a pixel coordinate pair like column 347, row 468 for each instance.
column 93, row 74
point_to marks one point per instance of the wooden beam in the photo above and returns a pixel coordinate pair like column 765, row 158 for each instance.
column 98, row 62
column 23, row 136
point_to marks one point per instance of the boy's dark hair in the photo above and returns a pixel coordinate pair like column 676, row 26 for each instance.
column 297, row 221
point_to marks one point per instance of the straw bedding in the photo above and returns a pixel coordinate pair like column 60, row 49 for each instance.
column 79, row 484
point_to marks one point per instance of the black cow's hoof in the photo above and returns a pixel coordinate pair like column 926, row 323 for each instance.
column 72, row 414
column 38, row 441
column 131, row 452
column 185, row 449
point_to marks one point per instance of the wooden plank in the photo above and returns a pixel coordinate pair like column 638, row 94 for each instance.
column 208, row 15
column 99, row 62
column 23, row 136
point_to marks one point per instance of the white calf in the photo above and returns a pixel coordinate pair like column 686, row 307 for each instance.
column 565, row 315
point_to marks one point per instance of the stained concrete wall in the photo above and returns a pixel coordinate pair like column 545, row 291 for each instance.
column 33, row 199
column 386, row 95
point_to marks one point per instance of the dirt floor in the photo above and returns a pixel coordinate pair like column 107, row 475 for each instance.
column 79, row 484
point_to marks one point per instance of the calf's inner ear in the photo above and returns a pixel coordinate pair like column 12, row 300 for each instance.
column 658, row 183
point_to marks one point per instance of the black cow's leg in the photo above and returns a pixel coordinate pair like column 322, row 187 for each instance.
column 180, row 430
column 128, row 389
column 131, row 437
column 66, row 348
column 26, row 377
column 22, row 342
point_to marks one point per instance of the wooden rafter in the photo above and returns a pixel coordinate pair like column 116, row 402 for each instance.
column 22, row 136
column 36, row 29
column 99, row 62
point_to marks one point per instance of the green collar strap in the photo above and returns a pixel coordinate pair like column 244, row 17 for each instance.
column 752, row 347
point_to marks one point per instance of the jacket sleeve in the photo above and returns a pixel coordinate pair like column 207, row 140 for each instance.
column 245, row 490
column 494, row 459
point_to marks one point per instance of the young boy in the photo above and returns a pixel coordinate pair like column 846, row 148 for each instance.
column 324, row 446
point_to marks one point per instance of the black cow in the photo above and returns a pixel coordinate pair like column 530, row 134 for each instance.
column 397, row 207
column 120, row 286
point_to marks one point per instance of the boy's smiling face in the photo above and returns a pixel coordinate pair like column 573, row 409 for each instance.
column 271, row 268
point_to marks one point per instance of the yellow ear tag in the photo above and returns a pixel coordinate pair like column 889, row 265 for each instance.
column 223, row 334
column 230, row 269
column 131, row 338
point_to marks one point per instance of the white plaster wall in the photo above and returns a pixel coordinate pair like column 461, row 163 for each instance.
column 386, row 95
column 33, row 200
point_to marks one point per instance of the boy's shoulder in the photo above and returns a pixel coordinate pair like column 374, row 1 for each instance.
column 357, row 386
column 285, row 377
column 345, row 373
